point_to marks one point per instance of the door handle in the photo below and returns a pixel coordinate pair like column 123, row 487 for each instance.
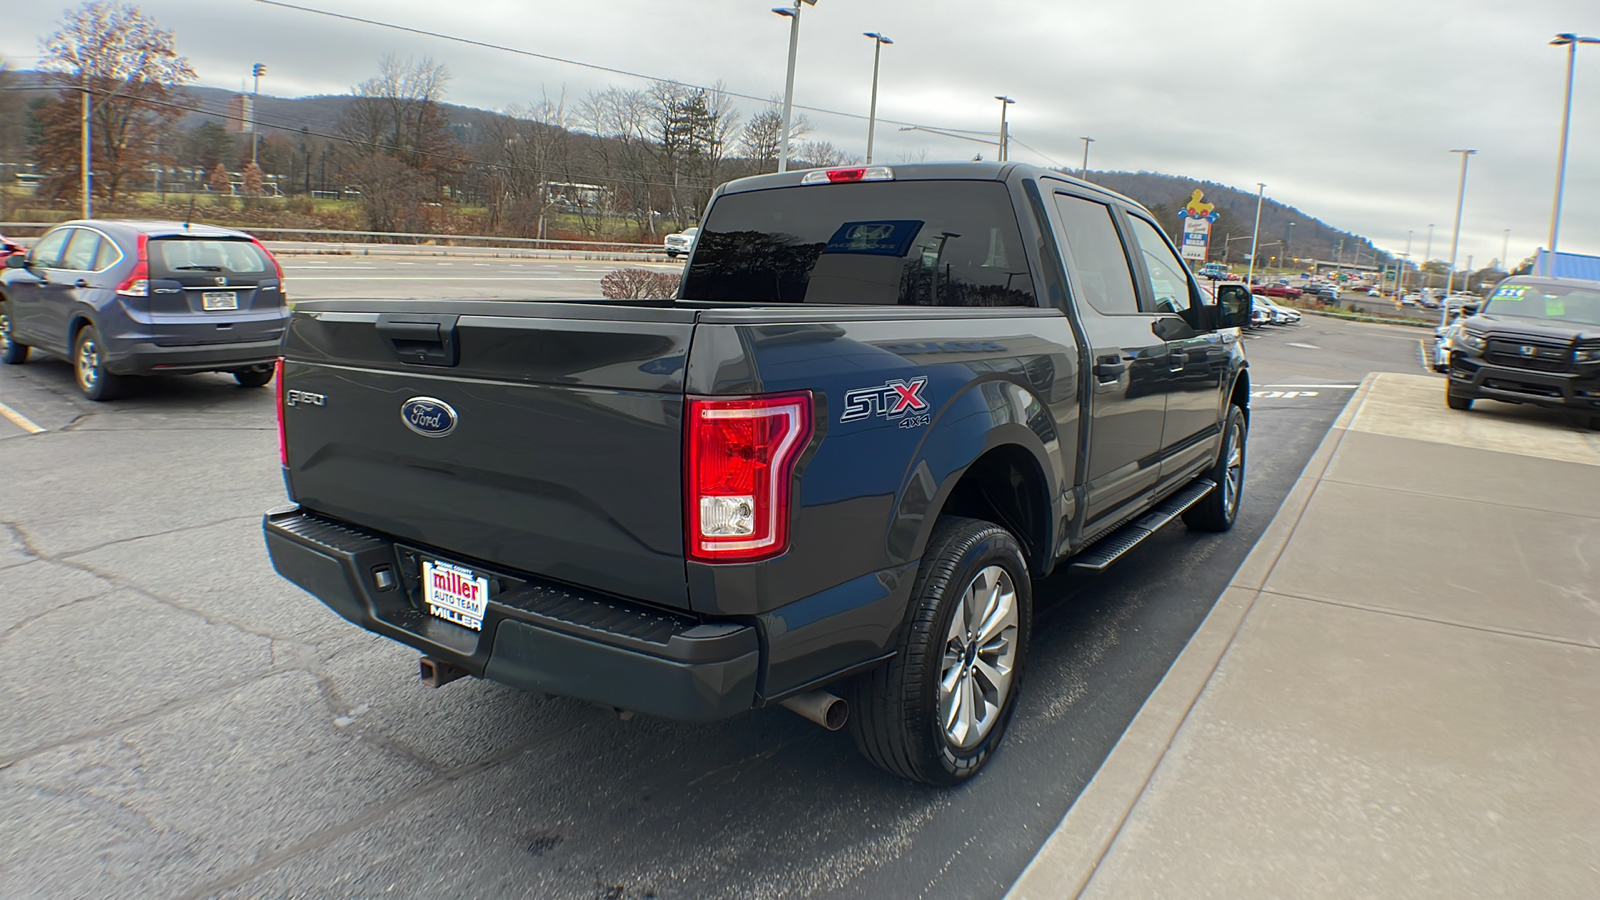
column 81, row 282
column 1111, row 367
column 1177, row 359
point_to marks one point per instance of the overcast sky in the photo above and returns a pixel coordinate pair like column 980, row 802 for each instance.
column 1346, row 110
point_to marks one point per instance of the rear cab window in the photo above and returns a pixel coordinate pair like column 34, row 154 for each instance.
column 908, row 243
column 186, row 259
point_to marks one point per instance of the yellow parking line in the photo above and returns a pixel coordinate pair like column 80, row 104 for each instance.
column 19, row 420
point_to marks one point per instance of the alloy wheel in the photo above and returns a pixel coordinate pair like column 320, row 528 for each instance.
column 88, row 363
column 1234, row 476
column 980, row 654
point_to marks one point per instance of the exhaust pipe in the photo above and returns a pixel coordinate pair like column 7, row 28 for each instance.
column 828, row 710
column 438, row 673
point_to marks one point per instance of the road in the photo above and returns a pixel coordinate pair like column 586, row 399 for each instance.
column 177, row 721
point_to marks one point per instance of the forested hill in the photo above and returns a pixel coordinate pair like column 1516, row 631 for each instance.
column 1236, row 209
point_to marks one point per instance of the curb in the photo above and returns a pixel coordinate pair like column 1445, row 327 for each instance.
column 1067, row 862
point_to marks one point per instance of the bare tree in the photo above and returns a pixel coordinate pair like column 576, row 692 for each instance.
column 131, row 71
column 523, row 153
column 623, row 158
column 762, row 137
column 822, row 154
column 402, row 152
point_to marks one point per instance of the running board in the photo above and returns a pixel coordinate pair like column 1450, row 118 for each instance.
column 1112, row 547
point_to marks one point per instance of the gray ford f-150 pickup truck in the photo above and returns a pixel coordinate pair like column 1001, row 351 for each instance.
column 826, row 474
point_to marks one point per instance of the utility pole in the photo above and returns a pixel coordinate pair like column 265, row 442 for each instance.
column 88, row 154
column 1005, row 137
column 256, row 70
column 1455, row 240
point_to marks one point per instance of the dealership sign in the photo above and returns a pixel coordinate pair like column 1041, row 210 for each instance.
column 1197, row 216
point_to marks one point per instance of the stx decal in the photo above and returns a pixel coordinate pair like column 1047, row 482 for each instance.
column 892, row 400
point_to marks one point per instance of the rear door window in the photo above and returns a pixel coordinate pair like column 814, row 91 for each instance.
column 911, row 243
column 47, row 253
column 186, row 259
column 81, row 251
column 1097, row 255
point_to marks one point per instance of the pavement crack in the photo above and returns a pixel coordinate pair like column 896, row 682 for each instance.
column 25, row 622
column 154, row 534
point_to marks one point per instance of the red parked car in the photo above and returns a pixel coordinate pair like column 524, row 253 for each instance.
column 1276, row 289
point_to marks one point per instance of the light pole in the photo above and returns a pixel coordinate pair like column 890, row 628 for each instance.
column 1288, row 243
column 1505, row 250
column 256, row 71
column 1427, row 256
column 1083, row 174
column 1400, row 278
column 88, row 154
column 1571, row 42
column 793, row 14
column 1004, row 102
column 1455, row 240
column 1261, row 191
column 878, row 41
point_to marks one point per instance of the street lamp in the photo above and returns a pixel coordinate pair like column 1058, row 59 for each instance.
column 1084, row 173
column 257, row 71
column 1004, row 102
column 878, row 41
column 1261, row 191
column 793, row 14
column 1450, row 275
column 1571, row 42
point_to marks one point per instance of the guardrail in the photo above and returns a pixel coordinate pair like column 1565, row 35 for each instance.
column 407, row 239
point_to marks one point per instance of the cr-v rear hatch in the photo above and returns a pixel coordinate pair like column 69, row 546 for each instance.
column 213, row 290
column 542, row 437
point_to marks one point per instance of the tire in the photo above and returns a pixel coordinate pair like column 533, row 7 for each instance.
column 1456, row 401
column 89, row 369
column 901, row 709
column 11, row 352
column 1220, row 508
column 253, row 378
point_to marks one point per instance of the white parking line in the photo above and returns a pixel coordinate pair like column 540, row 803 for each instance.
column 19, row 420
column 1425, row 354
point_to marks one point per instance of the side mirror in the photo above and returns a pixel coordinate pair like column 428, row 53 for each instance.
column 1469, row 309
column 17, row 261
column 1233, row 307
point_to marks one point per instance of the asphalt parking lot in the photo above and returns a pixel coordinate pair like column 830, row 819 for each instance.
column 178, row 721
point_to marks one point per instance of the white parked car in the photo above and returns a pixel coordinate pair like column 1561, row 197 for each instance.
column 681, row 243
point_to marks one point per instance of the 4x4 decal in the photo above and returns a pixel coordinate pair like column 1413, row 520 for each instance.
column 893, row 400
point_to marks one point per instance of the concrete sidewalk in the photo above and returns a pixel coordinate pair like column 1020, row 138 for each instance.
column 1398, row 696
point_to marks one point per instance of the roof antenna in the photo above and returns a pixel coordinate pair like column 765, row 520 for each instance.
column 190, row 215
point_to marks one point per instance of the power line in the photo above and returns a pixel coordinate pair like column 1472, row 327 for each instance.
column 571, row 62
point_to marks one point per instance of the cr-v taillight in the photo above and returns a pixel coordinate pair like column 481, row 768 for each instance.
column 137, row 284
column 283, row 438
column 740, row 456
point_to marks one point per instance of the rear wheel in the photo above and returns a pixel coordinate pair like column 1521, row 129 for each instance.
column 253, row 378
column 1457, row 401
column 936, row 712
column 1220, row 508
column 88, row 367
column 11, row 352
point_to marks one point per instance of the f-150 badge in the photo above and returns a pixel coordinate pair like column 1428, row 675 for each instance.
column 893, row 400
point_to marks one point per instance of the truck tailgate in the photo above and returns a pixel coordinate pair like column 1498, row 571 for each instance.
column 543, row 437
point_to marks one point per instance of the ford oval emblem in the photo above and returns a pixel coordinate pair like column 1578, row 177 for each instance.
column 428, row 416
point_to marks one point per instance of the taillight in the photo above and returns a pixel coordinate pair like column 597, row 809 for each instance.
column 740, row 460
column 283, row 438
column 268, row 253
column 137, row 284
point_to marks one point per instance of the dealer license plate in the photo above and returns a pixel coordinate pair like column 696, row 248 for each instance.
column 455, row 593
column 215, row 300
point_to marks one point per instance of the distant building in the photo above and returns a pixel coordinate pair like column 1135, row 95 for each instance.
column 1566, row 265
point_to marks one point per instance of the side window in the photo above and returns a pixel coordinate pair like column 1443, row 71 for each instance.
column 1098, row 255
column 1169, row 285
column 81, row 251
column 47, row 253
column 107, row 257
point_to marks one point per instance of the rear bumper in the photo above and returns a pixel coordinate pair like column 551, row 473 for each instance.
column 1473, row 376
column 144, row 357
column 536, row 636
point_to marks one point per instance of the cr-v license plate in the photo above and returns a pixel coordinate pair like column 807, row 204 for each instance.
column 214, row 300
column 455, row 593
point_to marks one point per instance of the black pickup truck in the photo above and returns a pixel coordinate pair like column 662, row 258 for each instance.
column 826, row 474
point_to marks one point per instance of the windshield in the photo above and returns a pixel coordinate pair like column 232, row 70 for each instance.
column 215, row 256
column 1557, row 303
column 912, row 243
